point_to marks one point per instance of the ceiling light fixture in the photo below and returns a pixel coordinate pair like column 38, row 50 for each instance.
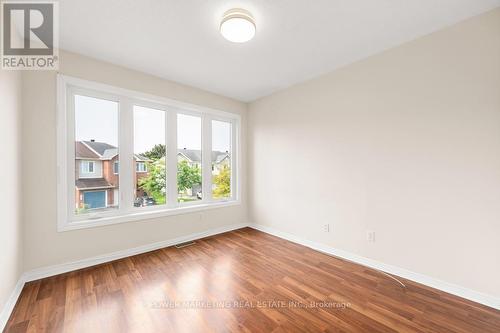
column 237, row 25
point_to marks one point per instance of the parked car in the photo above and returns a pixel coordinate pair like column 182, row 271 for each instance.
column 149, row 202
column 144, row 201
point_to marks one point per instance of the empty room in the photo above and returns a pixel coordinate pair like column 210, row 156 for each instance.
column 250, row 166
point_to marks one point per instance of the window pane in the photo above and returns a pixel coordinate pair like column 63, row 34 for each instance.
column 188, row 158
column 150, row 176
column 221, row 159
column 96, row 150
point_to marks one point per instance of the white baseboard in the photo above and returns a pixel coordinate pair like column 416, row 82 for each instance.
column 40, row 273
column 11, row 302
column 450, row 288
column 43, row 272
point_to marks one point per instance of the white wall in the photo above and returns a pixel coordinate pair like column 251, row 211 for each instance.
column 405, row 143
column 11, row 258
column 43, row 244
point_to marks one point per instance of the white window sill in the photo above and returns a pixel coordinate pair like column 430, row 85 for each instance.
column 145, row 215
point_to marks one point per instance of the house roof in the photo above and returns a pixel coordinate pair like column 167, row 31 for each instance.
column 99, row 147
column 100, row 150
column 191, row 154
column 92, row 183
column 105, row 151
column 82, row 151
column 194, row 155
column 109, row 153
column 141, row 158
column 95, row 150
column 218, row 156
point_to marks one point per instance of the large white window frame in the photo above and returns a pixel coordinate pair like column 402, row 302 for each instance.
column 68, row 87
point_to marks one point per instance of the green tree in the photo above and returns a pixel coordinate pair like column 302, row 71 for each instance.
column 155, row 184
column 187, row 176
column 156, row 153
column 222, row 183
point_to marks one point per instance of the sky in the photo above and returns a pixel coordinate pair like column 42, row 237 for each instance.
column 221, row 136
column 188, row 132
column 149, row 128
column 98, row 120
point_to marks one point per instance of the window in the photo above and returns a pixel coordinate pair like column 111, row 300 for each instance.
column 189, row 164
column 126, row 156
column 87, row 167
column 141, row 167
column 221, row 159
column 95, row 137
column 150, row 184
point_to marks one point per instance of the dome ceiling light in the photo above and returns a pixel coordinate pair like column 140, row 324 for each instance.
column 238, row 26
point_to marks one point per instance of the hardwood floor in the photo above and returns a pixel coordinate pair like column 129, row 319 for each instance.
column 241, row 281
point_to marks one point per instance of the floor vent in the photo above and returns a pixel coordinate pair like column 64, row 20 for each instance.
column 181, row 245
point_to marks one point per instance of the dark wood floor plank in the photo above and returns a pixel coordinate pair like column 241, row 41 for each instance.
column 241, row 281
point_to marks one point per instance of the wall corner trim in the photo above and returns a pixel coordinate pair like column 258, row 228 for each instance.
column 447, row 287
column 11, row 302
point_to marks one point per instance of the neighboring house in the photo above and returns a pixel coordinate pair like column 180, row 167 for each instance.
column 193, row 157
column 220, row 160
column 96, row 174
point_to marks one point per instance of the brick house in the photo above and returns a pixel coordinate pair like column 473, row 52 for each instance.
column 96, row 174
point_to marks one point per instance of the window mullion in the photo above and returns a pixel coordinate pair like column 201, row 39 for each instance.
column 206, row 160
column 234, row 151
column 70, row 155
column 171, row 162
column 126, row 151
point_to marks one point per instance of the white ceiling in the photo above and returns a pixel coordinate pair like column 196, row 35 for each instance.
column 296, row 39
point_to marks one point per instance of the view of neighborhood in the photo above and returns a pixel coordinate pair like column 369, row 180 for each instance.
column 97, row 166
column 97, row 176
